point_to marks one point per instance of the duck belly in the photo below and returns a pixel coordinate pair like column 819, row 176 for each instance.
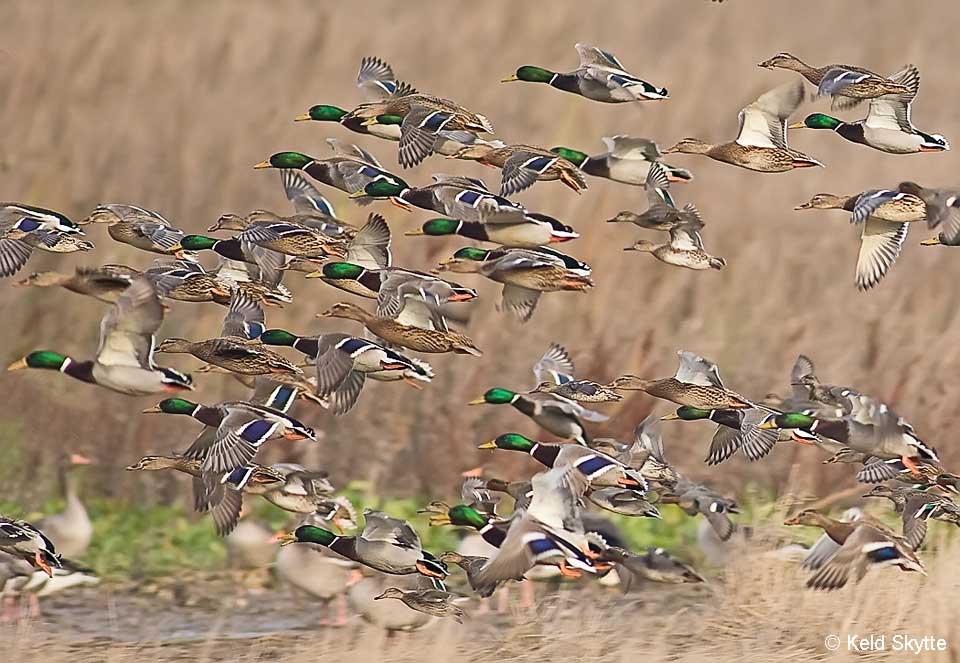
column 893, row 142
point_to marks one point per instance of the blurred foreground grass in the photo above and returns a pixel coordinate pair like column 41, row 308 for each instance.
column 136, row 541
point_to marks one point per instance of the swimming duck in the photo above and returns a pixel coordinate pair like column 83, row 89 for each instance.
column 124, row 359
column 761, row 143
column 386, row 544
column 524, row 273
column 862, row 545
column 696, row 383
column 139, row 228
column 854, row 83
column 887, row 126
column 235, row 430
column 408, row 336
column 627, row 160
column 524, row 165
column 600, row 77
column 433, row 602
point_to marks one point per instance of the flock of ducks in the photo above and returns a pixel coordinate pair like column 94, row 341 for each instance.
column 416, row 312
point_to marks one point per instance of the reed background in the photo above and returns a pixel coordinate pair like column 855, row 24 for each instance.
column 168, row 105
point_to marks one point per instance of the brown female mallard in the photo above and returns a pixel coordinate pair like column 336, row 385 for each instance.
column 761, row 144
column 696, row 384
column 524, row 165
column 414, row 338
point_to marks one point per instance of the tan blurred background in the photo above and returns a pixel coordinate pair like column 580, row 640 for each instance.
column 168, row 105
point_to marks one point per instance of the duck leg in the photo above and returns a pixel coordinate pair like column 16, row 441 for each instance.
column 341, row 607
column 911, row 465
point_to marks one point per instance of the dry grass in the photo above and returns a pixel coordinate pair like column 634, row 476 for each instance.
column 757, row 611
column 168, row 105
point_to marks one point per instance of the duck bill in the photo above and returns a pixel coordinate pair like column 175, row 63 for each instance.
column 284, row 538
column 302, row 117
column 18, row 365
column 488, row 445
column 314, row 275
column 369, row 122
column 358, row 194
column 801, row 206
column 415, row 233
column 767, row 425
column 509, row 79
column 670, row 417
column 155, row 409
column 42, row 564
column 263, row 164
column 478, row 401
column 933, row 241
column 797, row 125
column 79, row 459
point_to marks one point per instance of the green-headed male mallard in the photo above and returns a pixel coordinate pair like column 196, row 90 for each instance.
column 235, row 431
column 598, row 469
column 425, row 118
column 600, row 77
column 344, row 363
column 389, row 545
column 627, row 160
column 761, row 143
column 124, row 359
column 887, row 126
column 349, row 172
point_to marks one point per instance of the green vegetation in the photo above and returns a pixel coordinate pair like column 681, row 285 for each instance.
column 135, row 541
